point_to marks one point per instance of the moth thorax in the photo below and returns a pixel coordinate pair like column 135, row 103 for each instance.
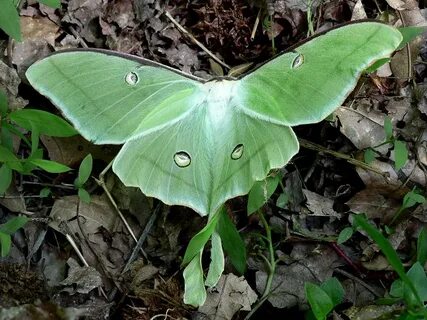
column 218, row 101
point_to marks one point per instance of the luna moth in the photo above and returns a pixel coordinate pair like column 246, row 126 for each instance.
column 195, row 142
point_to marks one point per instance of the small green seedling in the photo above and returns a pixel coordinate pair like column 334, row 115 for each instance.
column 7, row 230
column 345, row 235
column 9, row 16
column 37, row 122
column 83, row 175
column 399, row 147
column 324, row 298
column 412, row 285
column 410, row 199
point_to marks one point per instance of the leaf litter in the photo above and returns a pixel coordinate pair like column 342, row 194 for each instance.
column 321, row 190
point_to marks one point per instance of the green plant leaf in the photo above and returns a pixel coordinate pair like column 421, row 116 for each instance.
column 46, row 123
column 412, row 198
column 85, row 170
column 409, row 34
column 422, row 246
column 194, row 291
column 198, row 242
column 388, row 128
column 376, row 65
column 45, row 192
column 6, row 137
column 35, row 136
column 418, row 278
column 369, row 155
column 13, row 225
column 216, row 266
column 84, row 195
column 51, row 3
column 400, row 154
column 3, row 102
column 345, row 234
column 5, row 178
column 396, row 289
column 232, row 242
column 6, row 156
column 282, row 200
column 9, row 19
column 320, row 302
column 386, row 249
column 5, row 244
column 198, row 143
column 50, row 166
column 261, row 192
column 334, row 290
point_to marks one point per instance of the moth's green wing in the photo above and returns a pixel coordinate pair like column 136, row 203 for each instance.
column 106, row 96
column 308, row 83
column 208, row 135
column 161, row 116
column 198, row 144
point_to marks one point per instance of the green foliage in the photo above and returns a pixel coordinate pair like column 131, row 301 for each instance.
column 9, row 16
column 388, row 128
column 50, row 166
column 409, row 34
column 42, row 121
column 410, row 199
column 411, row 293
column 345, row 234
column 411, row 288
column 232, row 242
column 9, row 19
column 261, row 192
column 45, row 192
column 85, row 170
column 369, row 155
column 324, row 298
column 7, row 230
column 400, row 149
column 422, row 246
column 282, row 200
column 37, row 122
column 376, row 65
column 51, row 3
column 400, row 154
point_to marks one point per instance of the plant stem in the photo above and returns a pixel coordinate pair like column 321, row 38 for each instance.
column 271, row 266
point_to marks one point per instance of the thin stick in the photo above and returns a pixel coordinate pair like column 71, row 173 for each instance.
column 83, row 260
column 255, row 25
column 101, row 182
column 184, row 31
column 142, row 238
column 359, row 281
column 312, row 146
column 78, row 37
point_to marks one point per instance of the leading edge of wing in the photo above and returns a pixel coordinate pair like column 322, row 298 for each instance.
column 300, row 43
column 142, row 61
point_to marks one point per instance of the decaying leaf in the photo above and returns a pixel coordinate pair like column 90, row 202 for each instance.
column 81, row 279
column 230, row 295
column 309, row 263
